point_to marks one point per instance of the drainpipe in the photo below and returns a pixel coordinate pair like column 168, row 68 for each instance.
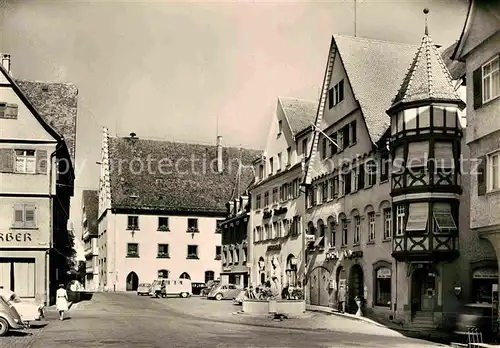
column 51, row 224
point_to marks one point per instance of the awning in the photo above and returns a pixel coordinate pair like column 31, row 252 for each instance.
column 445, row 221
column 318, row 241
column 418, row 217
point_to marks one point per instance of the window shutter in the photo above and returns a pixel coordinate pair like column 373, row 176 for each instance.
column 6, row 161
column 477, row 85
column 330, row 98
column 29, row 215
column 354, row 131
column 346, row 136
column 18, row 215
column 41, row 161
column 361, row 177
column 341, row 90
column 481, row 176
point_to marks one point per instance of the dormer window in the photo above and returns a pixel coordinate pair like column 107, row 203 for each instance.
column 280, row 127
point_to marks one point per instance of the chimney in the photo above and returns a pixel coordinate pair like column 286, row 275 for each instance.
column 219, row 154
column 6, row 61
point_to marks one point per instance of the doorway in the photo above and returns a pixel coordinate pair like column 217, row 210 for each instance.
column 356, row 286
column 132, row 281
column 319, row 287
column 423, row 291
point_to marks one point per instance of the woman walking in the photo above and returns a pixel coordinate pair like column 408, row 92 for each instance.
column 61, row 301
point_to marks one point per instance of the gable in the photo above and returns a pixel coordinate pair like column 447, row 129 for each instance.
column 278, row 142
column 25, row 125
column 483, row 20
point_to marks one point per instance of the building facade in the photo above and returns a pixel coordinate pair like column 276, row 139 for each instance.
column 479, row 49
column 277, row 200
column 235, row 232
column 348, row 206
column 37, row 132
column 90, row 204
column 160, row 206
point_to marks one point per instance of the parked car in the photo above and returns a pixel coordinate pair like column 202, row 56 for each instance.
column 478, row 315
column 227, row 292
column 9, row 318
column 243, row 295
column 177, row 287
column 28, row 311
column 144, row 289
column 208, row 287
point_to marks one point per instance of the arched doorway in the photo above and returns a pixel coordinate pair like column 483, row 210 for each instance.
column 318, row 286
column 132, row 281
column 356, row 285
column 185, row 276
column 423, row 290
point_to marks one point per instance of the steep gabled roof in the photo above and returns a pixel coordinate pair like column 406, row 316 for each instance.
column 57, row 104
column 374, row 69
column 181, row 178
column 298, row 112
column 427, row 78
column 91, row 203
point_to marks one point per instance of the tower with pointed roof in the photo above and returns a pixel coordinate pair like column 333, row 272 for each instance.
column 425, row 187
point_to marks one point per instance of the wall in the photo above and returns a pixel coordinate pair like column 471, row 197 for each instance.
column 147, row 265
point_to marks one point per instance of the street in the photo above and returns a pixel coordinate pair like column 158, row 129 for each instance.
column 128, row 320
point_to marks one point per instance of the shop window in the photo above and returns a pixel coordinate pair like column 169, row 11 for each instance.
column 383, row 286
column 482, row 284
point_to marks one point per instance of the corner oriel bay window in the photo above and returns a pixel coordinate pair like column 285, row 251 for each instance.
column 444, row 221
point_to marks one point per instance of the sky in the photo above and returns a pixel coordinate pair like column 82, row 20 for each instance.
column 170, row 70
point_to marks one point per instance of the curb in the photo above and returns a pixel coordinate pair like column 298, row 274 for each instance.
column 333, row 312
column 271, row 316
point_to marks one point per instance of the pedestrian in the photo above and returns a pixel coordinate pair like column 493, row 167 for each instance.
column 341, row 299
column 61, row 301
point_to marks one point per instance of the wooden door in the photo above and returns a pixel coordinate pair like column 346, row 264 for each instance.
column 428, row 292
column 24, row 279
column 314, row 287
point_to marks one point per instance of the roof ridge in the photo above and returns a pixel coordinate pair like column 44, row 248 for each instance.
column 444, row 68
column 428, row 42
column 367, row 39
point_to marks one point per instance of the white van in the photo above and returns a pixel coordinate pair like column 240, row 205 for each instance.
column 178, row 287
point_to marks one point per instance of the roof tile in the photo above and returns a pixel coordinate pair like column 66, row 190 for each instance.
column 300, row 113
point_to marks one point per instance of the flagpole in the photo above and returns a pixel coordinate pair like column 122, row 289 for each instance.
column 326, row 136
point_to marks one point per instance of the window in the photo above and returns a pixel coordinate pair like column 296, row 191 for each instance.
column 257, row 202
column 417, row 154
column 493, row 173
column 323, row 148
column 387, row 223
column 280, row 127
column 424, row 117
column 324, row 187
column 218, row 252
column 347, row 183
column 261, row 171
column 340, row 139
column 132, row 250
column 361, row 176
column 335, row 185
column 371, row 226
column 384, row 166
column 443, row 217
column 210, row 275
column 274, row 230
column 278, row 162
column 132, row 223
column 192, row 252
column 418, row 214
column 410, row 119
column 162, row 251
column 8, row 110
column 162, row 274
column 288, row 156
column 344, row 232
column 192, row 225
column 267, row 232
column 400, row 220
column 357, row 228
column 491, row 80
column 291, row 271
column 24, row 216
column 333, row 234
column 304, row 147
column 275, row 195
column 25, row 161
column 383, row 286
column 336, row 94
column 163, row 224
column 333, row 147
column 371, row 173
column 346, row 132
column 266, row 199
column 331, row 189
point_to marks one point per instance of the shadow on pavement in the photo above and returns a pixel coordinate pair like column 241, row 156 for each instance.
column 18, row 334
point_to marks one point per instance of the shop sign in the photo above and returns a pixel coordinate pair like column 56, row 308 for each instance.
column 274, row 247
column 15, row 237
column 485, row 273
column 384, row 273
